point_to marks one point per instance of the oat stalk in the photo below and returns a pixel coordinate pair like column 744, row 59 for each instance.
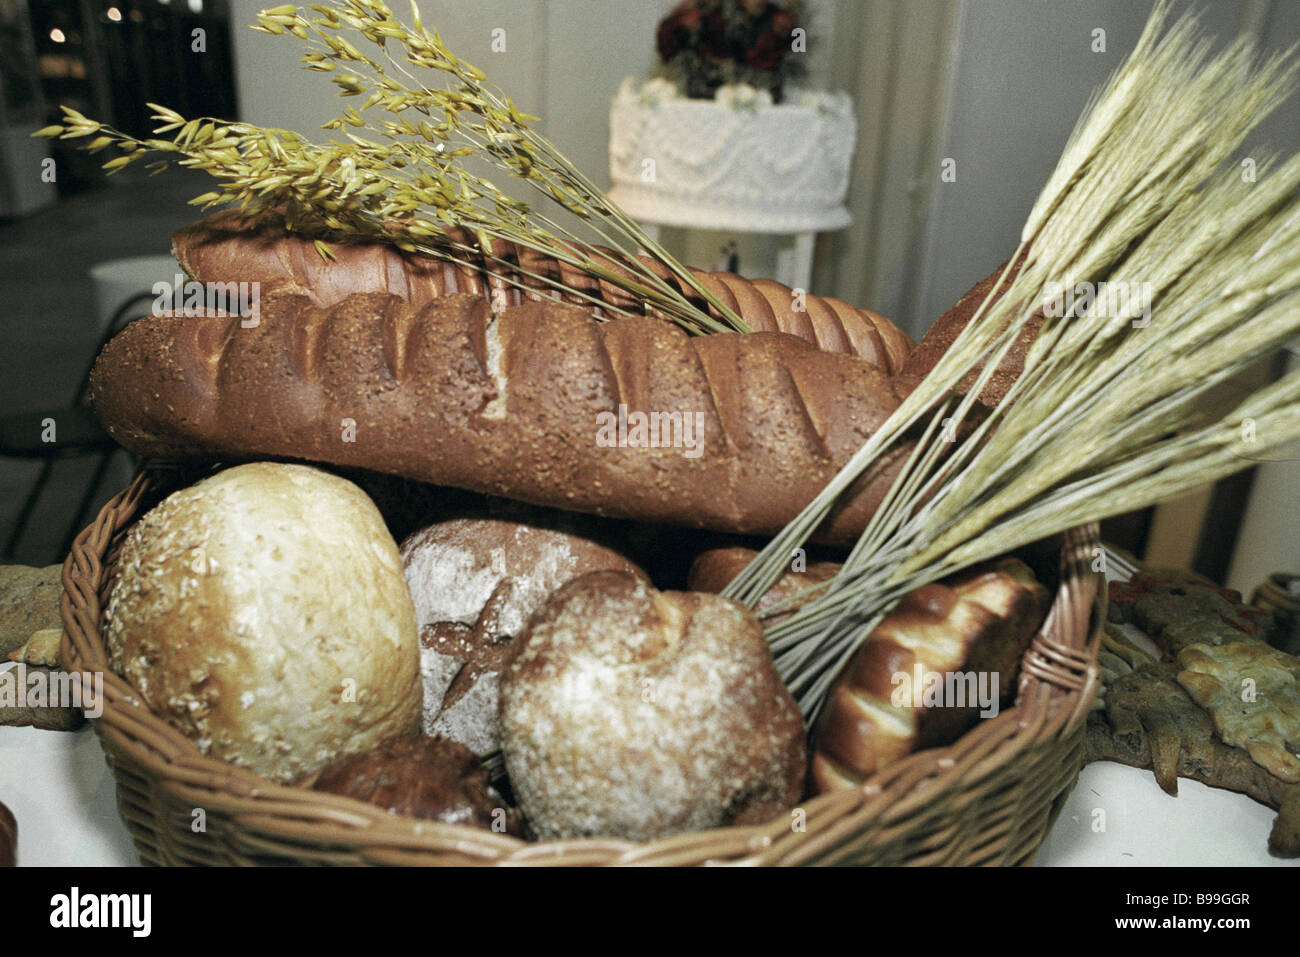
column 398, row 173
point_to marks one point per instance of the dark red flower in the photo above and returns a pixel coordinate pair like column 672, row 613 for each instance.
column 755, row 8
column 766, row 53
column 666, row 39
column 691, row 18
column 783, row 23
column 714, row 41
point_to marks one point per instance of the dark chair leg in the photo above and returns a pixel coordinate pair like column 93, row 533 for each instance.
column 79, row 520
column 25, row 513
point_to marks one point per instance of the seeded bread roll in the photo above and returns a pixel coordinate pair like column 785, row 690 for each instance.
column 475, row 583
column 537, row 404
column 633, row 713
column 975, row 623
column 227, row 248
column 263, row 613
column 430, row 778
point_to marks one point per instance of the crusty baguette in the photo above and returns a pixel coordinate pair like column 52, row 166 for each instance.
column 225, row 248
column 509, row 404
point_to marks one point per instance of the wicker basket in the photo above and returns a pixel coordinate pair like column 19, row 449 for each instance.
column 988, row 799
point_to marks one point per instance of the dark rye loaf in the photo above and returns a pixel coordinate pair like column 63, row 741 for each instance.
column 508, row 405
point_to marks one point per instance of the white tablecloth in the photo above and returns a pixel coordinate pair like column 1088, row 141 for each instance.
column 62, row 795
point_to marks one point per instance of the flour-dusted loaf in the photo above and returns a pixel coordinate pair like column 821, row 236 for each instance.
column 475, row 583
column 225, row 248
column 263, row 613
column 629, row 712
column 967, row 630
column 630, row 418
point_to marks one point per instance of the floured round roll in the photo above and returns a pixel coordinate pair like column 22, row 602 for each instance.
column 633, row 713
column 475, row 583
column 263, row 613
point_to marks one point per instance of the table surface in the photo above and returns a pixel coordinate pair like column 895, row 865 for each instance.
column 62, row 794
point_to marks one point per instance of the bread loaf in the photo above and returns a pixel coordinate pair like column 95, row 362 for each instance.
column 713, row 571
column 262, row 613
column 633, row 713
column 430, row 778
column 947, row 327
column 917, row 680
column 541, row 404
column 475, row 583
column 227, row 248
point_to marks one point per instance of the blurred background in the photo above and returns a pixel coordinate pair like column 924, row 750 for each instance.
column 986, row 89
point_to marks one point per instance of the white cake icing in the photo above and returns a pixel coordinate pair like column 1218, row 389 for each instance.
column 735, row 162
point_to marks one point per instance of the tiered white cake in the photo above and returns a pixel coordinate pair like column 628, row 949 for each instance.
column 736, row 162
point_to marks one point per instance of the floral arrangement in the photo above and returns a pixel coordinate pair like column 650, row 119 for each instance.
column 708, row 44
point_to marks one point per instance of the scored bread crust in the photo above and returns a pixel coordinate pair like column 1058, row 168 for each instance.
column 511, row 405
column 226, row 248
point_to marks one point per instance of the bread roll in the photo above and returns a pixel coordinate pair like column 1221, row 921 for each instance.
column 263, row 613
column 628, row 712
column 713, row 571
column 475, row 583
column 430, row 778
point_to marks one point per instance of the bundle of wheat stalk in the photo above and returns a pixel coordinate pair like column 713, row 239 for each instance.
column 1105, row 417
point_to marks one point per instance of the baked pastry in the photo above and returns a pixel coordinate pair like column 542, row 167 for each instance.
column 225, row 247
column 263, row 613
column 475, row 583
column 630, row 418
column 416, row 776
column 946, row 655
column 633, row 713
column 1176, row 721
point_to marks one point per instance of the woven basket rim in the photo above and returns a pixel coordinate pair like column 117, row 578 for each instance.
column 1058, row 679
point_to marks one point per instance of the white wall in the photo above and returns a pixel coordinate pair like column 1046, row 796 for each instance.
column 563, row 61
column 1024, row 72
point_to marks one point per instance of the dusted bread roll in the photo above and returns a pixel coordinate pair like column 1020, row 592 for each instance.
column 967, row 630
column 475, row 583
column 633, row 713
column 423, row 777
column 263, row 613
